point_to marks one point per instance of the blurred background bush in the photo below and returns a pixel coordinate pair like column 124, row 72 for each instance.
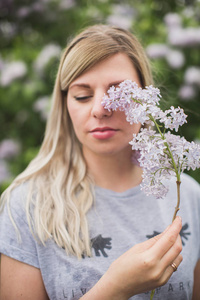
column 33, row 34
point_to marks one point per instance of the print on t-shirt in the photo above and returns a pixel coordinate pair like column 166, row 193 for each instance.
column 183, row 233
column 99, row 244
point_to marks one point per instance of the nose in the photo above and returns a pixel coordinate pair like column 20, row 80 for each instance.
column 98, row 111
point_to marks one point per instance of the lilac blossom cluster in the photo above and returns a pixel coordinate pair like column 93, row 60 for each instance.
column 162, row 154
column 121, row 15
column 173, row 51
column 161, row 159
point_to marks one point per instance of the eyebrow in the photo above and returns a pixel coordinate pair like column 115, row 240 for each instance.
column 89, row 87
column 80, row 85
column 116, row 82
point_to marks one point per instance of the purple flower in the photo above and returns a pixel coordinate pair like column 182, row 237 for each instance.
column 187, row 92
column 67, row 4
column 184, row 37
column 9, row 149
column 192, row 76
column 48, row 52
column 157, row 50
column 122, row 15
column 4, row 172
column 173, row 118
column 12, row 71
column 42, row 106
column 175, row 59
column 172, row 20
column 163, row 154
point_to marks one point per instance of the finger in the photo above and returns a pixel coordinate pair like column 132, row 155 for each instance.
column 173, row 267
column 167, row 240
column 149, row 243
column 173, row 252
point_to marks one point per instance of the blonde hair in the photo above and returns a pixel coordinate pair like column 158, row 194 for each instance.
column 58, row 177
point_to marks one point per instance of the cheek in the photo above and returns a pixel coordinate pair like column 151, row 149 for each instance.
column 74, row 120
column 134, row 128
column 77, row 121
column 73, row 114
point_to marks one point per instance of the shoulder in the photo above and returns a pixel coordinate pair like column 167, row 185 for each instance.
column 16, row 238
column 14, row 203
column 17, row 196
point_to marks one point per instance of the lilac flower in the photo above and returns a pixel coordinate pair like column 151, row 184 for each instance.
column 23, row 11
column 38, row 7
column 9, row 149
column 172, row 20
column 175, row 59
column 189, row 11
column 156, row 162
column 42, row 106
column 173, row 118
column 184, row 37
column 48, row 52
column 4, row 172
column 12, row 71
column 144, row 108
column 187, row 92
column 67, row 4
column 157, row 50
column 122, row 15
column 192, row 76
column 161, row 154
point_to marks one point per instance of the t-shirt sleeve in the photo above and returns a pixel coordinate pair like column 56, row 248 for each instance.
column 22, row 246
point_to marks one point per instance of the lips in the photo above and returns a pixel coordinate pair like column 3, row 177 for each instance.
column 103, row 133
column 102, row 129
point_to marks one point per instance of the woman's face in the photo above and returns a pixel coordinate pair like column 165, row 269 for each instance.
column 100, row 131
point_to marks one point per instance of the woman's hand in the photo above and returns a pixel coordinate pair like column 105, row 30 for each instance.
column 142, row 268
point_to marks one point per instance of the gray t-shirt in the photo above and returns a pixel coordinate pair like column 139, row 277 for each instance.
column 117, row 222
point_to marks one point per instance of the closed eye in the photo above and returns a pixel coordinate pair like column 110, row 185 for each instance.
column 82, row 98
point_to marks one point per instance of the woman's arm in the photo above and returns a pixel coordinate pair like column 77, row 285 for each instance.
column 20, row 281
column 196, row 289
column 142, row 268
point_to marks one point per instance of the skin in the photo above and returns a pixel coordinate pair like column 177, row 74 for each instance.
column 20, row 281
column 196, row 288
column 143, row 267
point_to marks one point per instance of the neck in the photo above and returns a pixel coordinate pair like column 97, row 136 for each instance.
column 112, row 172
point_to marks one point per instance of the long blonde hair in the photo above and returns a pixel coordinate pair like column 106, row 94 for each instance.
column 58, row 177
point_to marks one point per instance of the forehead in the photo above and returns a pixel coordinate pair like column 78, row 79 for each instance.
column 115, row 68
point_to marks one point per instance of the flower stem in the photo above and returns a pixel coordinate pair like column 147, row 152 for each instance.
column 178, row 183
column 152, row 294
column 176, row 169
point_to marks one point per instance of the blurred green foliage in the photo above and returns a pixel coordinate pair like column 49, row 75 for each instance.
column 27, row 27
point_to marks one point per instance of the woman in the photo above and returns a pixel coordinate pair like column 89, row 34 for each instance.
column 75, row 224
